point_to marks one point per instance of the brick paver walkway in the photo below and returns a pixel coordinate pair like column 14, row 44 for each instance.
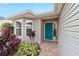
column 49, row 49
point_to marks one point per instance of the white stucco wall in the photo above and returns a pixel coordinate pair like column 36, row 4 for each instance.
column 36, row 26
column 69, row 30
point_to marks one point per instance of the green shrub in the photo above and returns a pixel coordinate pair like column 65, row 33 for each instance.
column 7, row 25
column 28, row 49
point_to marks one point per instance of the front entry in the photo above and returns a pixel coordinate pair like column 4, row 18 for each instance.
column 49, row 31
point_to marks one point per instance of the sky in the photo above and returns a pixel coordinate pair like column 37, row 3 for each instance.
column 7, row 9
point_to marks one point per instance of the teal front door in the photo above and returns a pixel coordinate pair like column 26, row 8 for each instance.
column 49, row 31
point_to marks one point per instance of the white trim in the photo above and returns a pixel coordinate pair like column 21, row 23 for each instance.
column 44, row 32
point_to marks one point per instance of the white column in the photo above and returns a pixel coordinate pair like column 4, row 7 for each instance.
column 36, row 26
column 14, row 23
column 23, row 29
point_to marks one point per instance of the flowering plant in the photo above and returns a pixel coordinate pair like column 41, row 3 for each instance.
column 32, row 35
column 9, row 43
column 28, row 49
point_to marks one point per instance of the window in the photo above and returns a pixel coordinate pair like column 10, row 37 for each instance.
column 28, row 32
column 18, row 32
column 29, row 28
column 18, row 28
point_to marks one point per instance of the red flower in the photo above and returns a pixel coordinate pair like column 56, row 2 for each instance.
column 33, row 33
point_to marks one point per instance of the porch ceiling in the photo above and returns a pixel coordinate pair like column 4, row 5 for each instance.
column 48, row 16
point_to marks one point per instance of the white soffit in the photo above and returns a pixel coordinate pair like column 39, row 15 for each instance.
column 58, row 7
